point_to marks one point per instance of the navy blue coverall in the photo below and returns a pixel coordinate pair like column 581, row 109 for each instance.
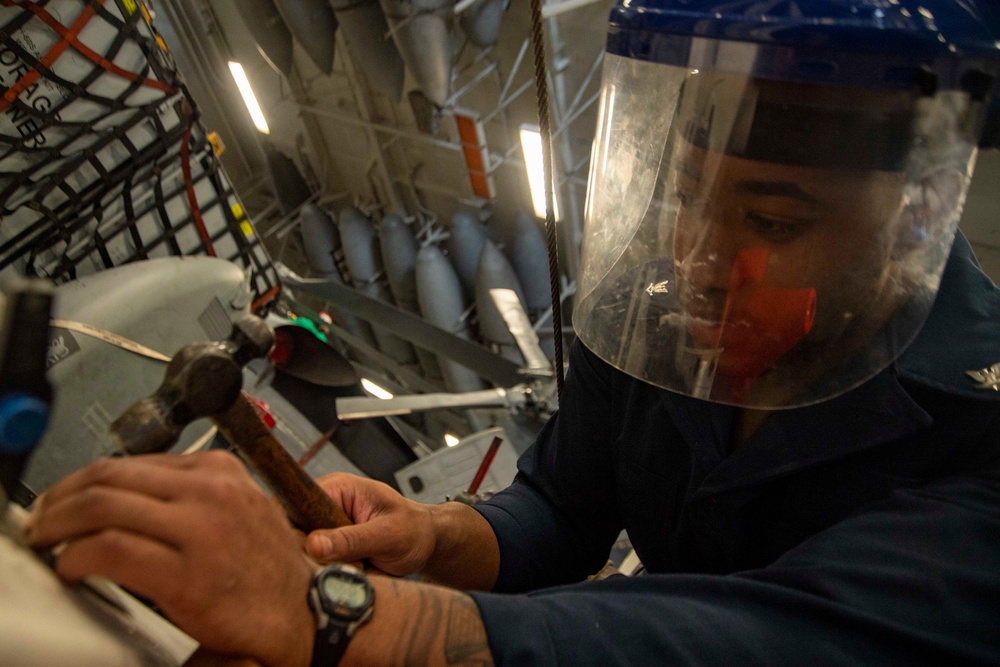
column 861, row 530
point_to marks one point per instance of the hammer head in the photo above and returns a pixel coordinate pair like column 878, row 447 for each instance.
column 201, row 380
column 251, row 338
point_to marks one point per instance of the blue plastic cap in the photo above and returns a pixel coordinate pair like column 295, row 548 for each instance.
column 967, row 29
column 23, row 420
column 891, row 35
column 887, row 44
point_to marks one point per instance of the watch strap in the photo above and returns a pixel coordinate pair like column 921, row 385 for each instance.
column 329, row 646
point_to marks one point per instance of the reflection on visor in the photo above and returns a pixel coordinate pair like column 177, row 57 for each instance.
column 759, row 324
column 851, row 137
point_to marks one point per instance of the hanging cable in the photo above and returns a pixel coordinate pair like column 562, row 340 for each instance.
column 541, row 89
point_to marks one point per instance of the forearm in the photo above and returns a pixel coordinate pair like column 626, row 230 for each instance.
column 420, row 624
column 466, row 553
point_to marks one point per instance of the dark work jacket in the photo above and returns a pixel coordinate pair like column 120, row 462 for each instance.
column 861, row 530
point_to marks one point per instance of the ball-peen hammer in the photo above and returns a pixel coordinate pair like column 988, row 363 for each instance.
column 205, row 380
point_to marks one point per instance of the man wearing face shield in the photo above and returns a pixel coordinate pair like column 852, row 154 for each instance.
column 789, row 229
column 785, row 388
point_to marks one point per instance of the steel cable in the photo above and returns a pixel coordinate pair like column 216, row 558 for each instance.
column 541, row 90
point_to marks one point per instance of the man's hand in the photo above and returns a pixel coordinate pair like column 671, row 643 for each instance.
column 196, row 535
column 394, row 534
column 450, row 543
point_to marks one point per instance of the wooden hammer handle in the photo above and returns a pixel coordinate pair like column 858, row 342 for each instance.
column 307, row 505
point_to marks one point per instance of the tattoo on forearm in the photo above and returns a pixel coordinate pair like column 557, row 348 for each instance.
column 423, row 634
column 464, row 639
column 446, row 622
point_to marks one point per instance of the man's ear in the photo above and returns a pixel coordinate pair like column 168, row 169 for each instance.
column 928, row 209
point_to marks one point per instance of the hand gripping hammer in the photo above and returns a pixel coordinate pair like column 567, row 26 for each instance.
column 205, row 380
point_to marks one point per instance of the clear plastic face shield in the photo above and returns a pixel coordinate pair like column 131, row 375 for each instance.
column 764, row 244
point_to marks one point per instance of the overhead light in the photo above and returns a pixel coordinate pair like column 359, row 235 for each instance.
column 243, row 83
column 374, row 389
column 531, row 146
column 450, row 440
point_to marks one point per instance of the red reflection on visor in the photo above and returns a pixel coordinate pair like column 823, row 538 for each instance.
column 760, row 323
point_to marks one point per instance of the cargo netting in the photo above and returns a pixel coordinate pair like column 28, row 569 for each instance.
column 102, row 158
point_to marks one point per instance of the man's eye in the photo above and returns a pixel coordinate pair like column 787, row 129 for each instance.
column 778, row 229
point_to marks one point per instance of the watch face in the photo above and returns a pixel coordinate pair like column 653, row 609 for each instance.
column 341, row 598
column 347, row 592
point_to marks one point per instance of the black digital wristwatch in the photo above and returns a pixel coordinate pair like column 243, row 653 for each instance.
column 341, row 598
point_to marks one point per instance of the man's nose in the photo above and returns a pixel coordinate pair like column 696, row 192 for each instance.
column 705, row 254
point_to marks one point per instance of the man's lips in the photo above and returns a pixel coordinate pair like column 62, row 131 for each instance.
column 704, row 319
column 750, row 335
column 710, row 331
column 702, row 305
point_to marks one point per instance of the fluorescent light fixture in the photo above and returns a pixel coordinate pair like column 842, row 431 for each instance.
column 374, row 389
column 243, row 83
column 531, row 146
column 450, row 440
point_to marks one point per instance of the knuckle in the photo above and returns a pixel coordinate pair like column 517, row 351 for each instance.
column 222, row 459
column 337, row 482
column 335, row 478
column 382, row 487
column 112, row 545
column 90, row 500
column 348, row 541
column 101, row 471
column 221, row 488
column 177, row 600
